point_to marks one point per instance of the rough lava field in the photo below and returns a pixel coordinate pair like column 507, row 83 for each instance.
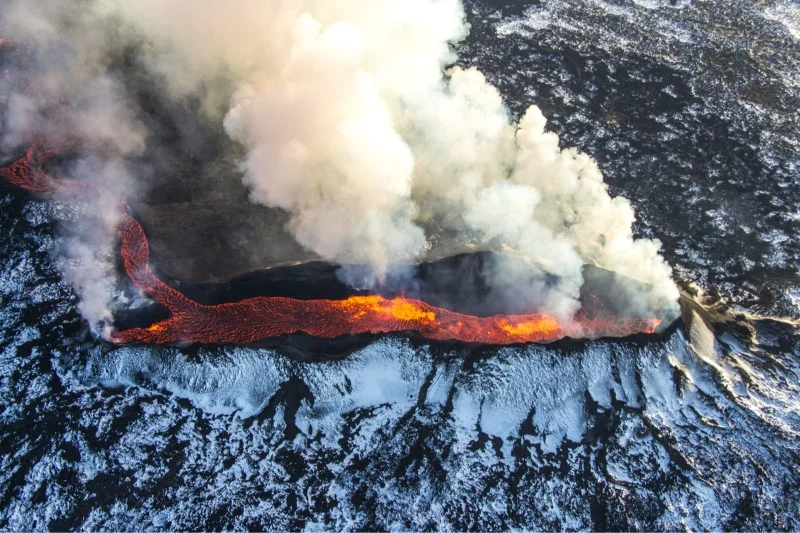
column 691, row 109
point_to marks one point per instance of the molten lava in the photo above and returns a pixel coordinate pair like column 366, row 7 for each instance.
column 260, row 318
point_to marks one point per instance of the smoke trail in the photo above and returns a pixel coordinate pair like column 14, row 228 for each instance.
column 357, row 125
column 67, row 54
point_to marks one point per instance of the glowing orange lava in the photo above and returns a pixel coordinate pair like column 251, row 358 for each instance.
column 260, row 318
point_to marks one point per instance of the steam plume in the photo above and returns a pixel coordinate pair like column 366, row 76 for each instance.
column 356, row 124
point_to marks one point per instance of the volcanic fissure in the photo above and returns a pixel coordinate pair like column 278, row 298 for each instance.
column 254, row 319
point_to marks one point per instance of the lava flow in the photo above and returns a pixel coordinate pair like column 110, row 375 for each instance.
column 261, row 318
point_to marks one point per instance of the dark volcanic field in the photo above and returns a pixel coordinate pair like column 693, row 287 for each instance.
column 692, row 110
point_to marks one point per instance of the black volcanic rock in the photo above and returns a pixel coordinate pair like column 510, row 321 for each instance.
column 691, row 108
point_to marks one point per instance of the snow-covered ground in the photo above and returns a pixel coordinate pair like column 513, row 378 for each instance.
column 688, row 106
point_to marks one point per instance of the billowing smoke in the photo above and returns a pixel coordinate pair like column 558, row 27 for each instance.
column 358, row 125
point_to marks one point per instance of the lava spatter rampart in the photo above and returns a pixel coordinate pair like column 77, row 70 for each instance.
column 260, row 318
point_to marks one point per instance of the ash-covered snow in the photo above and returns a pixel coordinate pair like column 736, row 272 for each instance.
column 691, row 109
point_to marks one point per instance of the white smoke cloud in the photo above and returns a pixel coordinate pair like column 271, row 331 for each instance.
column 86, row 264
column 357, row 126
